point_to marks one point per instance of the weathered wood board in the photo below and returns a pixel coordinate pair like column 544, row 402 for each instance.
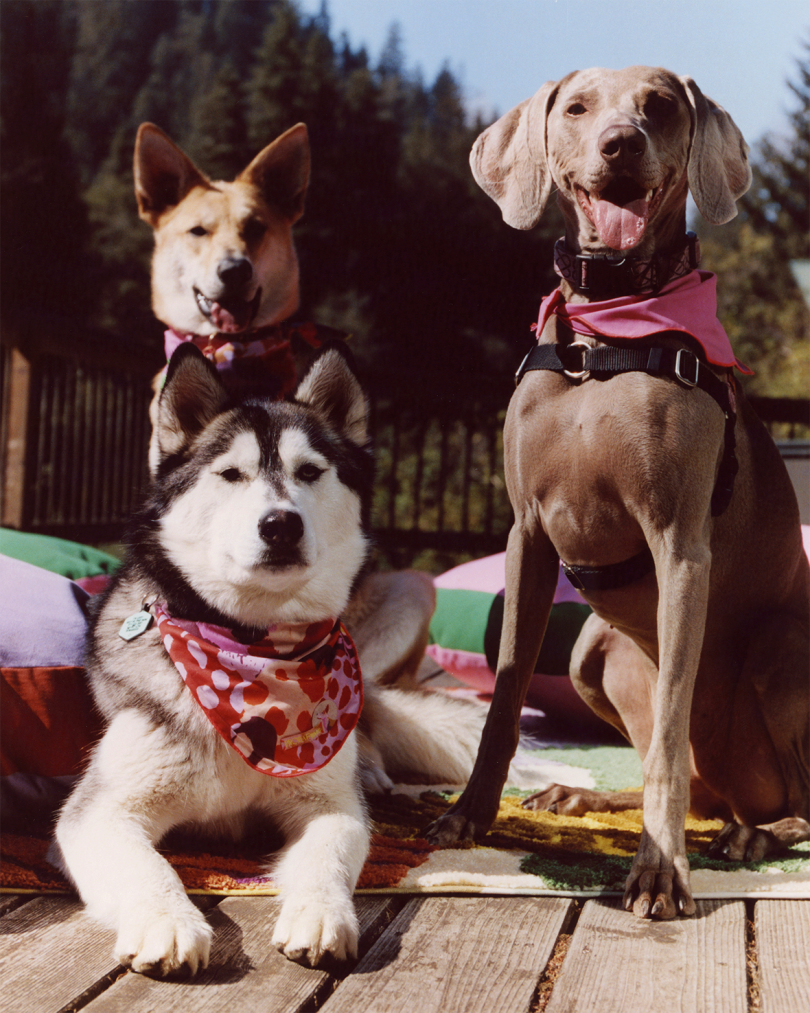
column 783, row 953
column 456, row 955
column 620, row 964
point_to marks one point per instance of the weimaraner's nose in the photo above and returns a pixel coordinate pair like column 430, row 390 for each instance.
column 621, row 145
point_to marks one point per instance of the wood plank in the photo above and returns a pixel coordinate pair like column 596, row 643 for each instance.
column 620, row 964
column 15, row 429
column 50, row 953
column 11, row 901
column 456, row 955
column 783, row 943
column 246, row 972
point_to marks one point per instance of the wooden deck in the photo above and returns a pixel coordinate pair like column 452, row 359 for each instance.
column 432, row 953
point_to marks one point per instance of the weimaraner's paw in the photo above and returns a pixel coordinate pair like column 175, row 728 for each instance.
column 468, row 819
column 451, row 828
column 737, row 843
column 559, row 798
column 654, row 893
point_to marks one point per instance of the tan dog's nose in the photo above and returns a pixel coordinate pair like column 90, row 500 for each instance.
column 234, row 271
column 621, row 145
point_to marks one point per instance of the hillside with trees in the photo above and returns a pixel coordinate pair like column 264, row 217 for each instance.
column 398, row 246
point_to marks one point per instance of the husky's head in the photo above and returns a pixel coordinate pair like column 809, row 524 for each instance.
column 259, row 509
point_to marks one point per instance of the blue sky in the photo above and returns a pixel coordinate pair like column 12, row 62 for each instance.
column 740, row 52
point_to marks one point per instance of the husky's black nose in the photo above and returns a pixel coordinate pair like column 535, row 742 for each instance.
column 235, row 271
column 281, row 529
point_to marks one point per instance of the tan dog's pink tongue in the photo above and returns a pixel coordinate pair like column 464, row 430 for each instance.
column 227, row 322
column 620, row 228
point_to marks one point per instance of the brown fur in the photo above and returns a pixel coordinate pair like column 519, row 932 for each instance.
column 703, row 664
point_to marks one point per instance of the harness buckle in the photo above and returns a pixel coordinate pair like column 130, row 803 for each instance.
column 573, row 577
column 582, row 374
column 679, row 359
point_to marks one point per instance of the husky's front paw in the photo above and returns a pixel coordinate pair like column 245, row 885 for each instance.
column 160, row 942
column 308, row 931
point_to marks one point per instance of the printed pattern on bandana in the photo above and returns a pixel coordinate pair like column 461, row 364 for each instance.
column 272, row 345
column 286, row 704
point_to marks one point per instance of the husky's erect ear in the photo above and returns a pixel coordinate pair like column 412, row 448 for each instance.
column 331, row 387
column 192, row 396
column 281, row 172
column 163, row 173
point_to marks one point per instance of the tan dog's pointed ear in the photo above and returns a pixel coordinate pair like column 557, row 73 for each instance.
column 163, row 173
column 281, row 172
column 509, row 160
column 718, row 169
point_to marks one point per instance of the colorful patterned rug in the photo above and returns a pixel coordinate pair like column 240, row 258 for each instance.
column 524, row 853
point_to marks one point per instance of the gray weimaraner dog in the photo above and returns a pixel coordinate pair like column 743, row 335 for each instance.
column 632, row 454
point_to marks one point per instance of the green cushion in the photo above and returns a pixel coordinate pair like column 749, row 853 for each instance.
column 70, row 559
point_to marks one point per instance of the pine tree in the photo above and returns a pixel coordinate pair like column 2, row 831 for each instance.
column 779, row 199
column 44, row 222
column 275, row 100
column 759, row 302
column 219, row 130
column 110, row 65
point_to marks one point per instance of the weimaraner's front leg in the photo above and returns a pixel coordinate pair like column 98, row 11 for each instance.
column 531, row 577
column 658, row 884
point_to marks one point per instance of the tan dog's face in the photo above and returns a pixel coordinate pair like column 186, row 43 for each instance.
column 621, row 149
column 618, row 148
column 224, row 260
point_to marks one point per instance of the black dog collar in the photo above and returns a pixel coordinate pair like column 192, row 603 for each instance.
column 602, row 277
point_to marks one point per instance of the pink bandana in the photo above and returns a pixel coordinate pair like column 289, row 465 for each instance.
column 688, row 304
column 286, row 703
column 270, row 344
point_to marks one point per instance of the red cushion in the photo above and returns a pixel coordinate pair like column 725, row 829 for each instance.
column 49, row 721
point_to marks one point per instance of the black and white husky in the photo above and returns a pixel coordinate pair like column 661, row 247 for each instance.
column 230, row 688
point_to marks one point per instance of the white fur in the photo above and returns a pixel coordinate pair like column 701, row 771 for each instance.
column 211, row 533
column 140, row 784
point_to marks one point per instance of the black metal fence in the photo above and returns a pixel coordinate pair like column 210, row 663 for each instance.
column 89, row 437
column 81, row 468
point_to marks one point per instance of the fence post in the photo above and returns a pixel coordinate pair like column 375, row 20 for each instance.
column 15, row 430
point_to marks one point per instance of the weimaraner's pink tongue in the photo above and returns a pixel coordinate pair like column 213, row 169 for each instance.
column 620, row 228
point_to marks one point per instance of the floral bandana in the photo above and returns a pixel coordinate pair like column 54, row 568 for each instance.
column 286, row 704
column 271, row 345
column 688, row 304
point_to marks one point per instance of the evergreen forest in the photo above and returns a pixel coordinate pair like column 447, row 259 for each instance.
column 397, row 246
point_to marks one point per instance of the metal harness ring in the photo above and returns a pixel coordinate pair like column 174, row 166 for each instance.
column 584, row 373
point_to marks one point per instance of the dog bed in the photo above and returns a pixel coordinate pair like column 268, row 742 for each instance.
column 466, row 628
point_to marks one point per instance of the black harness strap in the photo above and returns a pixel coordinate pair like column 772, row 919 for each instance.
column 608, row 578
column 679, row 364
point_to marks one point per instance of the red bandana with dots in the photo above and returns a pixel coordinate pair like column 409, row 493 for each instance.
column 286, row 704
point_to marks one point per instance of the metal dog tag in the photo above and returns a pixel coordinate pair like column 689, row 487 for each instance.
column 134, row 625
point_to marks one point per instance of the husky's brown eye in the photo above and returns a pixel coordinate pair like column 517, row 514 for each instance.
column 309, row 473
column 198, row 230
column 231, row 475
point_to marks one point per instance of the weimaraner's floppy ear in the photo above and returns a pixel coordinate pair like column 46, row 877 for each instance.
column 718, row 169
column 509, row 160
